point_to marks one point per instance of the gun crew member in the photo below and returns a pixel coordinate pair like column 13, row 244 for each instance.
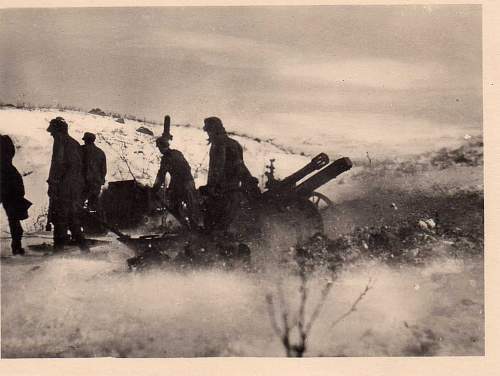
column 181, row 192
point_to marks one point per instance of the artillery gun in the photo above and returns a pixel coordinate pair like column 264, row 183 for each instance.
column 286, row 207
column 294, row 202
column 289, row 207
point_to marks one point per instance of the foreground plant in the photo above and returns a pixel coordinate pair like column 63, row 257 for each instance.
column 288, row 325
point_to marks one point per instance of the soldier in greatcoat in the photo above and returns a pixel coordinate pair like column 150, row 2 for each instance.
column 66, row 185
column 94, row 170
column 229, row 181
column 12, row 194
column 181, row 191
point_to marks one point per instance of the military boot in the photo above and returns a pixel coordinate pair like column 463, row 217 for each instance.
column 17, row 248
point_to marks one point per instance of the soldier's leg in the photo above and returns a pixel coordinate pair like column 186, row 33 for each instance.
column 60, row 235
column 177, row 210
column 16, row 233
column 85, row 195
column 193, row 207
column 230, row 208
column 93, row 197
column 213, row 213
column 75, row 226
column 60, row 221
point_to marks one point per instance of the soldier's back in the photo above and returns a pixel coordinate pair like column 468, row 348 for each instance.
column 94, row 160
column 72, row 181
column 234, row 159
column 7, row 149
column 178, row 166
column 99, row 153
column 73, row 154
column 11, row 182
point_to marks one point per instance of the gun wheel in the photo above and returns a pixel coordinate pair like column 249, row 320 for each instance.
column 320, row 201
column 291, row 223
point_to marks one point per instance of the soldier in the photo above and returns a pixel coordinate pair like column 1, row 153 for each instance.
column 94, row 170
column 229, row 180
column 65, row 186
column 181, row 189
column 12, row 194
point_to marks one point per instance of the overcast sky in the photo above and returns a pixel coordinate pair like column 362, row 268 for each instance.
column 273, row 64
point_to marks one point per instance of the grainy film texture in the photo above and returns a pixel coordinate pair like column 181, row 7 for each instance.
column 242, row 181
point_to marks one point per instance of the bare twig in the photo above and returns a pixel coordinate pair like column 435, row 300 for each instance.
column 283, row 334
column 281, row 297
column 324, row 293
column 298, row 323
column 285, row 337
column 353, row 307
column 272, row 315
column 369, row 159
column 303, row 300
column 128, row 166
column 200, row 165
column 120, row 155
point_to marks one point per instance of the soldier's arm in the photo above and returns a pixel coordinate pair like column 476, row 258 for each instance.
column 57, row 166
column 216, row 165
column 160, row 176
column 242, row 169
column 178, row 167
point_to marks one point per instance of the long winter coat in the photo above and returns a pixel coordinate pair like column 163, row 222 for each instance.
column 65, row 175
column 94, row 165
column 226, row 167
column 11, row 183
column 181, row 185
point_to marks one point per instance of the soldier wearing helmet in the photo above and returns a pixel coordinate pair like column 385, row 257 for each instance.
column 94, row 170
column 181, row 190
column 229, row 181
column 65, row 186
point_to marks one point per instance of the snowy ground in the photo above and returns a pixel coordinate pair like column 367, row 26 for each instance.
column 290, row 148
column 120, row 142
column 75, row 305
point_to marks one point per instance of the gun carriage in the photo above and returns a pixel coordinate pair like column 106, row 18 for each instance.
column 291, row 206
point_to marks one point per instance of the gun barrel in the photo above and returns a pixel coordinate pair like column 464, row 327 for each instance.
column 330, row 172
column 316, row 163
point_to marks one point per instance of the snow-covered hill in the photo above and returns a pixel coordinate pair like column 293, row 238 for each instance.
column 125, row 148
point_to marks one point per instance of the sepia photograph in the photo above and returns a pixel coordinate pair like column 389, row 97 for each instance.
column 242, row 181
